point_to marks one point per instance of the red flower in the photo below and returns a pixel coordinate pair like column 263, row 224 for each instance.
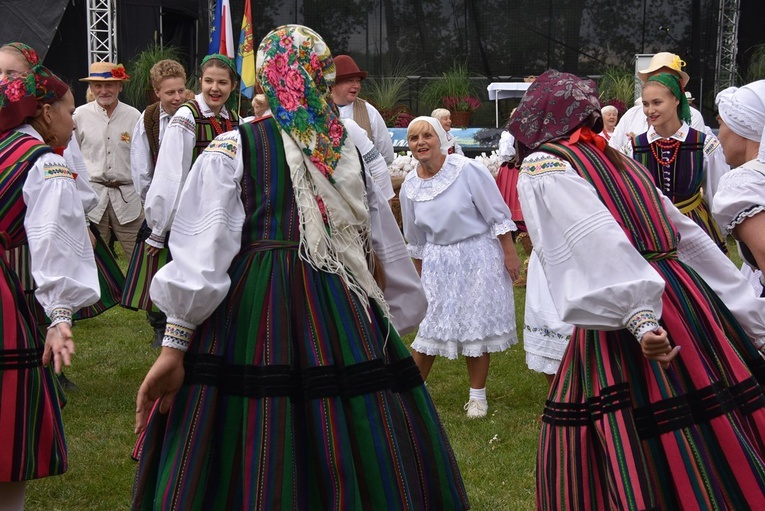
column 119, row 73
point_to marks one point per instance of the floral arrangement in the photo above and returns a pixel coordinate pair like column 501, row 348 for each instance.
column 461, row 103
column 119, row 73
column 402, row 164
column 492, row 162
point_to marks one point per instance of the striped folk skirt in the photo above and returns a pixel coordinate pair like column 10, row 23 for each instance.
column 297, row 396
column 32, row 441
column 141, row 271
column 620, row 432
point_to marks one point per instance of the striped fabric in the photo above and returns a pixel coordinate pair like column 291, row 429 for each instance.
column 31, row 434
column 111, row 281
column 618, row 431
column 142, row 268
column 293, row 399
column 684, row 180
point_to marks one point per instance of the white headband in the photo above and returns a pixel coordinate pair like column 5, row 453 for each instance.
column 437, row 127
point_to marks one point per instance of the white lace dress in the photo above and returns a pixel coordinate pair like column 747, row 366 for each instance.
column 451, row 222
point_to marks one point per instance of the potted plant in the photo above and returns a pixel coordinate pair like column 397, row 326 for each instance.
column 453, row 90
column 388, row 94
column 138, row 89
column 617, row 88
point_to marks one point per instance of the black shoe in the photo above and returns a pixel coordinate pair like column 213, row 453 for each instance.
column 158, row 335
column 67, row 384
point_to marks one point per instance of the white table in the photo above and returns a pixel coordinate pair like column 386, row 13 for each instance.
column 505, row 90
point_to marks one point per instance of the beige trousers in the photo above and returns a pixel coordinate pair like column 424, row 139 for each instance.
column 126, row 233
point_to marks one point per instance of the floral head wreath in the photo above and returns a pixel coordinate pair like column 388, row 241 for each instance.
column 295, row 69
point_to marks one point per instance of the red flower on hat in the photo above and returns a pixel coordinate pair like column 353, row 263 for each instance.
column 119, row 73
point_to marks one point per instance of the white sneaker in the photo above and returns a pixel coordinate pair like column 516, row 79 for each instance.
column 476, row 408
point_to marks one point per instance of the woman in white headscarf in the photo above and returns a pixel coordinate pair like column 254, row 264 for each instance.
column 739, row 205
column 458, row 229
column 281, row 384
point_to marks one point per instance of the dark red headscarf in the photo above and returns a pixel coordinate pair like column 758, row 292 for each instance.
column 554, row 106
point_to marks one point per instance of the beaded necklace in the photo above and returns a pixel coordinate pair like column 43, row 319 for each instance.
column 217, row 128
column 666, row 146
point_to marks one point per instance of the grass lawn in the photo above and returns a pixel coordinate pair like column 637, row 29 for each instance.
column 496, row 454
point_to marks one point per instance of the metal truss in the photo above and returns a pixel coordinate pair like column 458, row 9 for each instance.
column 102, row 31
column 727, row 44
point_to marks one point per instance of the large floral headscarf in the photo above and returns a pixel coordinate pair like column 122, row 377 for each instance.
column 295, row 70
column 20, row 96
column 553, row 106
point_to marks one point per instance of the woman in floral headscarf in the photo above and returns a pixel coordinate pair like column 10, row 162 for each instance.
column 631, row 421
column 18, row 58
column 39, row 205
column 280, row 384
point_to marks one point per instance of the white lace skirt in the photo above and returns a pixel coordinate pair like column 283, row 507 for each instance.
column 545, row 336
column 471, row 310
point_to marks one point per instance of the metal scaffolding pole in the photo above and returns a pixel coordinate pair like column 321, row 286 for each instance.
column 102, row 31
column 727, row 44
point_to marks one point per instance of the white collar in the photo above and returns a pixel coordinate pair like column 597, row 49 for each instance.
column 419, row 189
column 680, row 134
column 206, row 110
column 27, row 129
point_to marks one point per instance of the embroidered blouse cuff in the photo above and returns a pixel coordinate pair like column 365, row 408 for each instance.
column 178, row 334
column 156, row 240
column 60, row 315
column 416, row 251
column 503, row 227
column 640, row 321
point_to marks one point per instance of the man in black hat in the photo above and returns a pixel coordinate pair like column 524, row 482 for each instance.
column 345, row 95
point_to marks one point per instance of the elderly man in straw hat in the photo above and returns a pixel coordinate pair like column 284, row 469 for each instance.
column 345, row 93
column 104, row 130
column 634, row 121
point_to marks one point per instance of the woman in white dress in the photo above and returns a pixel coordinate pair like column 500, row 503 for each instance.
column 458, row 230
column 444, row 116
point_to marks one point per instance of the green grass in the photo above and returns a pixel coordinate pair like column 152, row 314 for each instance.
column 496, row 455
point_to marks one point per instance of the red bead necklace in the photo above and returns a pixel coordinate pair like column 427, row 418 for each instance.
column 217, row 128
column 666, row 145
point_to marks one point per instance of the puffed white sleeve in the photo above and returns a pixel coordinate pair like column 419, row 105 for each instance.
column 414, row 235
column 596, row 277
column 173, row 164
column 697, row 250
column 487, row 199
column 142, row 166
column 740, row 195
column 76, row 163
column 62, row 259
column 373, row 160
column 206, row 236
column 714, row 168
column 403, row 289
column 382, row 139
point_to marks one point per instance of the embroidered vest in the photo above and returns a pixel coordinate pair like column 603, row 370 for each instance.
column 205, row 131
column 18, row 153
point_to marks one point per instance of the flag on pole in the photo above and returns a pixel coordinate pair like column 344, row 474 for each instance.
column 221, row 33
column 245, row 56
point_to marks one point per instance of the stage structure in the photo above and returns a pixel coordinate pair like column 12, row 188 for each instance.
column 102, row 31
column 727, row 45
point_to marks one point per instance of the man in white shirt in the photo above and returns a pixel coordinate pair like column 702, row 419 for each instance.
column 634, row 121
column 345, row 95
column 104, row 130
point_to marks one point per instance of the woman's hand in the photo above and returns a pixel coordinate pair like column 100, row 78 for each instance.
column 59, row 346
column 163, row 381
column 513, row 265
column 152, row 250
column 656, row 346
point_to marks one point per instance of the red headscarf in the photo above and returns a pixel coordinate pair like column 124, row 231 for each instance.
column 21, row 96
